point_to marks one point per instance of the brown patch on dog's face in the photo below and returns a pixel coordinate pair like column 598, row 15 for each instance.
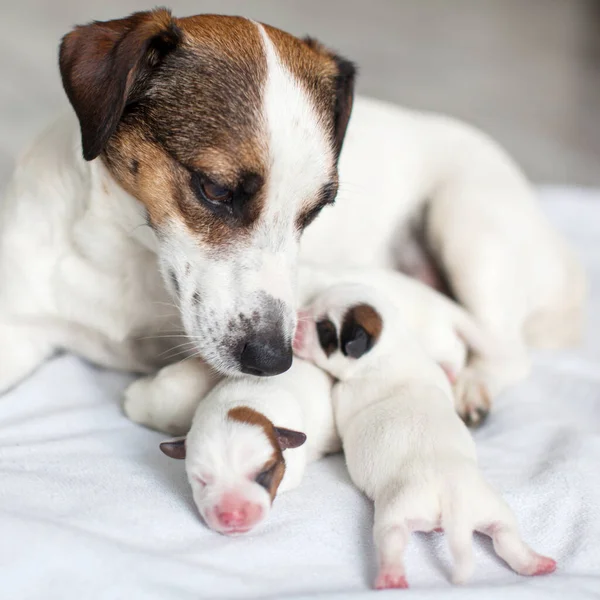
column 361, row 328
column 272, row 473
column 175, row 105
column 197, row 124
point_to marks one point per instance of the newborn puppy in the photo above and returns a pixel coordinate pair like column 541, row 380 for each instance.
column 446, row 330
column 405, row 446
column 251, row 438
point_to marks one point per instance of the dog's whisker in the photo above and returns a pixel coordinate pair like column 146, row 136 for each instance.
column 170, row 352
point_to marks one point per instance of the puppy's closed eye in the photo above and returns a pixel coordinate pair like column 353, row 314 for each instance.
column 265, row 478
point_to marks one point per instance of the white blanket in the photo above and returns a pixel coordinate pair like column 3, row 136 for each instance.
column 90, row 508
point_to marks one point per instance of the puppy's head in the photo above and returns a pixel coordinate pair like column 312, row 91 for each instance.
column 235, row 468
column 339, row 327
column 228, row 133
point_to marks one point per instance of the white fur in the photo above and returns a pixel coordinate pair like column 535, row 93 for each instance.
column 80, row 269
column 407, row 450
column 223, row 455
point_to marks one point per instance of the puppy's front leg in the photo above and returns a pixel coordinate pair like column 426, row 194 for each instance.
column 167, row 401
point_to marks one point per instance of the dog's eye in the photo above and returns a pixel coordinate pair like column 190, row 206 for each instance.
column 214, row 192
column 265, row 478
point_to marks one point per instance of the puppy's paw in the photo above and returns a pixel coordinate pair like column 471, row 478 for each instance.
column 390, row 577
column 471, row 397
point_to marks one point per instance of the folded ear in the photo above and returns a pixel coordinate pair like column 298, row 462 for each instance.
column 174, row 448
column 102, row 64
column 361, row 329
column 288, row 438
column 344, row 90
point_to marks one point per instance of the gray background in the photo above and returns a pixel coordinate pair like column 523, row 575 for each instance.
column 526, row 71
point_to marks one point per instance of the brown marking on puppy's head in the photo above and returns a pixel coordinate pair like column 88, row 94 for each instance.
column 271, row 474
column 361, row 329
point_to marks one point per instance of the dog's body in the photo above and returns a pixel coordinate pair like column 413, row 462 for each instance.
column 179, row 226
column 233, row 451
column 405, row 446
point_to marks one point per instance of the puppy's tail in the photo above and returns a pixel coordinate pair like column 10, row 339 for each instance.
column 457, row 526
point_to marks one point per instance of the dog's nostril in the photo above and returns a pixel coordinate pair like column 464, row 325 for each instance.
column 266, row 356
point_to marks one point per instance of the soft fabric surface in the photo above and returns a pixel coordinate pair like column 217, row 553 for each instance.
column 90, row 508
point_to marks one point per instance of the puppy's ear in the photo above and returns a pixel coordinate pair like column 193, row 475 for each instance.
column 361, row 329
column 344, row 90
column 103, row 64
column 288, row 438
column 174, row 448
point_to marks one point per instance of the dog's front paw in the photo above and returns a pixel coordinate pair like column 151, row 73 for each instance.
column 471, row 397
column 168, row 400
column 144, row 406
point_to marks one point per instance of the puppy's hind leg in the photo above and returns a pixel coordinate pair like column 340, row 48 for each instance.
column 498, row 522
column 24, row 348
column 391, row 542
column 509, row 546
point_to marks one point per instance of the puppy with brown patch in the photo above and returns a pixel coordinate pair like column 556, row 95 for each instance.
column 447, row 332
column 252, row 438
column 404, row 444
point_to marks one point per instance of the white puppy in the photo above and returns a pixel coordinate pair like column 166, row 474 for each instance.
column 252, row 437
column 448, row 333
column 405, row 446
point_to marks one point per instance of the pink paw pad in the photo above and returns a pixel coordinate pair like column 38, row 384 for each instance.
column 388, row 580
column 545, row 566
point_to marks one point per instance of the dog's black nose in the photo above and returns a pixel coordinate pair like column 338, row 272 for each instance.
column 266, row 355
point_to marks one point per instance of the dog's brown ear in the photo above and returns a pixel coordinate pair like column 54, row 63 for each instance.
column 344, row 91
column 174, row 448
column 361, row 329
column 288, row 438
column 344, row 85
column 102, row 63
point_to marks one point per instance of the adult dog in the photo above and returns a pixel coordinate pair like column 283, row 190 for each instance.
column 209, row 144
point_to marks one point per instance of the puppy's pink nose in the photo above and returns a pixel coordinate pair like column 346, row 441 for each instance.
column 234, row 518
column 237, row 515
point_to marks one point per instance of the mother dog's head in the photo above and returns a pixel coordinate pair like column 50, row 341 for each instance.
column 228, row 132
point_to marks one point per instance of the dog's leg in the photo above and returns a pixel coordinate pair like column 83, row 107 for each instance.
column 167, row 401
column 24, row 349
column 501, row 258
